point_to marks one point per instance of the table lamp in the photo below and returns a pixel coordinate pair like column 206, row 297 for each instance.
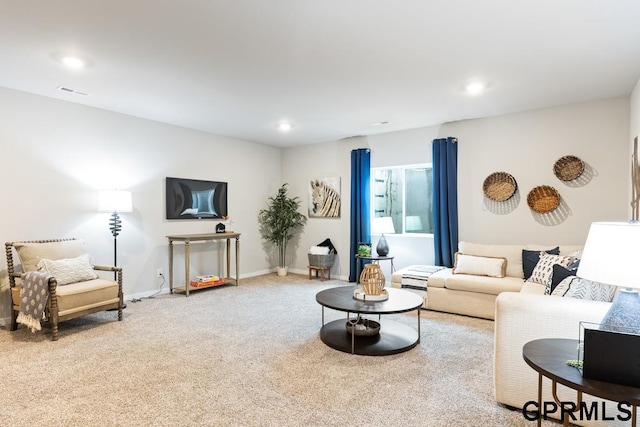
column 611, row 349
column 612, row 256
column 382, row 225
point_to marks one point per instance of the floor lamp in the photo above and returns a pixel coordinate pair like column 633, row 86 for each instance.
column 115, row 201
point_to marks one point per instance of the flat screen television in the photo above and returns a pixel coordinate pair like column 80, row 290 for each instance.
column 195, row 199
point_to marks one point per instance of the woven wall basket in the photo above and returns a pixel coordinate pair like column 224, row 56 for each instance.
column 543, row 199
column 499, row 186
column 568, row 168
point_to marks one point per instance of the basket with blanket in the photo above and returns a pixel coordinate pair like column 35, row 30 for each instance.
column 323, row 254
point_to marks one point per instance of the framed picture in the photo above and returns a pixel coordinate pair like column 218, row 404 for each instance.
column 324, row 198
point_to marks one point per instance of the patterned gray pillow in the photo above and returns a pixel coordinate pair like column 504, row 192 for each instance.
column 563, row 286
column 578, row 288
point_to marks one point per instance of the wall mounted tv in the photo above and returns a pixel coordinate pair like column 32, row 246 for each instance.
column 196, row 199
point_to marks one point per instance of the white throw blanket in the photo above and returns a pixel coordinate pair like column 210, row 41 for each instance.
column 416, row 277
column 33, row 299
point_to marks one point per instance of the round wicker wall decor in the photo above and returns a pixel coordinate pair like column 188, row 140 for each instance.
column 568, row 168
column 543, row 199
column 499, row 186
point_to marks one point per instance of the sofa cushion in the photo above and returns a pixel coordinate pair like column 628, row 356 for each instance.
column 479, row 265
column 439, row 278
column 69, row 270
column 483, row 284
column 513, row 254
column 530, row 259
column 544, row 269
column 532, row 288
column 30, row 254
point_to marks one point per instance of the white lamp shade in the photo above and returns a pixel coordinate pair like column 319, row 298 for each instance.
column 115, row 201
column 382, row 225
column 612, row 254
column 413, row 223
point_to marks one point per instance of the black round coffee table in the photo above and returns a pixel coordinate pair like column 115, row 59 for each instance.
column 394, row 337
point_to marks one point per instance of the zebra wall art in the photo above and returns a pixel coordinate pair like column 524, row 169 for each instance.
column 324, row 198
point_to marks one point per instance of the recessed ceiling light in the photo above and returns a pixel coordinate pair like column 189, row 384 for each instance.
column 285, row 126
column 475, row 88
column 73, row 62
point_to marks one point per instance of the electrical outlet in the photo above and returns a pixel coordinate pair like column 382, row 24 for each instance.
column 159, row 273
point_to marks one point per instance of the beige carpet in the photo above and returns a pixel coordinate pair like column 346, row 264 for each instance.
column 245, row 356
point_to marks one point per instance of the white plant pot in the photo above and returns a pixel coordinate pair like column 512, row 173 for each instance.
column 282, row 271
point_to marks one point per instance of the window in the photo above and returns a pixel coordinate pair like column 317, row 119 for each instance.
column 403, row 193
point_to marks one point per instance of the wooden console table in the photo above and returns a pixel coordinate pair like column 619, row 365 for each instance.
column 204, row 237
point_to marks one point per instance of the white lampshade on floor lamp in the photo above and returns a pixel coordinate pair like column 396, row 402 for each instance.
column 612, row 256
column 382, row 225
column 115, row 201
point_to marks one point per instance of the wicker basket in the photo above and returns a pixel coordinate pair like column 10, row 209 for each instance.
column 321, row 260
column 499, row 186
column 568, row 168
column 363, row 327
column 543, row 199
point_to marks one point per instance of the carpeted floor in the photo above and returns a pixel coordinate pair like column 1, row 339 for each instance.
column 245, row 356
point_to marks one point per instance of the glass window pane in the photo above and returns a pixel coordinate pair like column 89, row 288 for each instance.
column 387, row 196
column 418, row 187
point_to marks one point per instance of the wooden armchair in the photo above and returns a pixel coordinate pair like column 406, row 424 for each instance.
column 74, row 288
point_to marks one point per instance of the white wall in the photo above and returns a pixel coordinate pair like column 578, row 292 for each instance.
column 525, row 145
column 57, row 155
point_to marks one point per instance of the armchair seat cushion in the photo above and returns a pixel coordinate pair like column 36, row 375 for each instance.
column 88, row 294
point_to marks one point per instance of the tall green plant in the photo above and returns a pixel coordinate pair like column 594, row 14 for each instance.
column 280, row 221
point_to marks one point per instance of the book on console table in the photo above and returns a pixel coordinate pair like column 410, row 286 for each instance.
column 211, row 281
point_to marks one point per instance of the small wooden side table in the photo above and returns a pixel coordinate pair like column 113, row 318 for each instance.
column 320, row 270
column 549, row 358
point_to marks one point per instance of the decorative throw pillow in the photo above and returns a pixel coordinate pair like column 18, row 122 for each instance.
column 589, row 290
column 70, row 270
column 563, row 286
column 559, row 274
column 531, row 258
column 544, row 268
column 478, row 265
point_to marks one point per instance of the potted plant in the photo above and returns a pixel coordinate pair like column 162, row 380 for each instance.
column 279, row 222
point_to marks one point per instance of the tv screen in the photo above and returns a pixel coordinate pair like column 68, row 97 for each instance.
column 196, row 199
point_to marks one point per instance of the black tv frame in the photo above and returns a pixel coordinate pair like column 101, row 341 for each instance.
column 195, row 199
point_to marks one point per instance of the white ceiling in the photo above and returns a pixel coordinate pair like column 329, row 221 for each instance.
column 330, row 67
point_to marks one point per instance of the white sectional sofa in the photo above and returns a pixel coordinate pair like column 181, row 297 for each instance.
column 529, row 315
column 522, row 313
column 471, row 294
